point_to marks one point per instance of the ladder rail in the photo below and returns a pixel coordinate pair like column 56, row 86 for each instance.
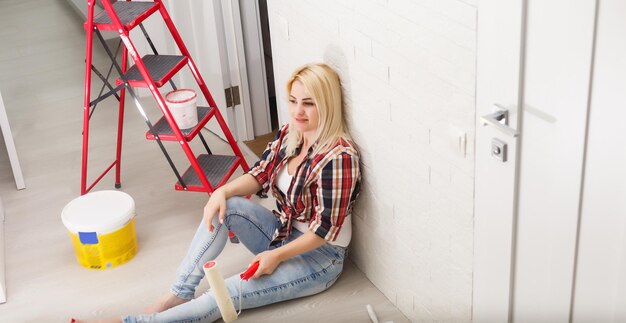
column 205, row 91
column 124, row 34
column 137, row 104
column 156, row 137
column 132, row 18
column 129, row 48
column 120, row 123
column 101, row 97
column 87, row 93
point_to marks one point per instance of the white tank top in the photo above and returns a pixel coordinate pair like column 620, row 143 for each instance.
column 283, row 180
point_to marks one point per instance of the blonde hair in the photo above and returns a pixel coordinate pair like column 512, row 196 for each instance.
column 323, row 84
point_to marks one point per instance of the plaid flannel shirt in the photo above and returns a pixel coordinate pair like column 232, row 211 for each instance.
column 322, row 191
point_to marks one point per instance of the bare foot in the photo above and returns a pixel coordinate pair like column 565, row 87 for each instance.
column 166, row 302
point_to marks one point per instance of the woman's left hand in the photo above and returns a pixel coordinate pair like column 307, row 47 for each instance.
column 268, row 261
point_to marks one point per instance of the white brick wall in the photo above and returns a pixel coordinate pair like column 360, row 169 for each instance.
column 408, row 72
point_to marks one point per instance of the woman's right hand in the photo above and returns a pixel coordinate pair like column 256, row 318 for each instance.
column 215, row 205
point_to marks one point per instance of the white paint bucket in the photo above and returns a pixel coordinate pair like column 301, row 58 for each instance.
column 182, row 105
column 102, row 228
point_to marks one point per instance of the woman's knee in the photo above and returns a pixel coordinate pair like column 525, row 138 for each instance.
column 242, row 211
column 237, row 204
column 234, row 205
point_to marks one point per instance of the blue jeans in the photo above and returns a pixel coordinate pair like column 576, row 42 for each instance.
column 303, row 275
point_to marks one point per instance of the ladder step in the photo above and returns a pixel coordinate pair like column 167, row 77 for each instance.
column 160, row 67
column 164, row 131
column 131, row 14
column 217, row 168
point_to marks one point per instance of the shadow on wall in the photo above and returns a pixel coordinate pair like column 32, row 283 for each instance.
column 335, row 58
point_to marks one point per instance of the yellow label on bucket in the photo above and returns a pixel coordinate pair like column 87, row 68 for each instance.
column 112, row 249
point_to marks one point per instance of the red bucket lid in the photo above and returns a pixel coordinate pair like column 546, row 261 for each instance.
column 192, row 95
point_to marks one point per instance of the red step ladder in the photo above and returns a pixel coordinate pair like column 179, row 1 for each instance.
column 206, row 171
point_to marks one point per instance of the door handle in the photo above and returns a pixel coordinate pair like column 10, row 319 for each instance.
column 499, row 120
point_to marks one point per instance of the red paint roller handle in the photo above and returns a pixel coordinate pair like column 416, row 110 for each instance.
column 250, row 271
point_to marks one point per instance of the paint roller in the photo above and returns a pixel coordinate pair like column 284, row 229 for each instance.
column 222, row 297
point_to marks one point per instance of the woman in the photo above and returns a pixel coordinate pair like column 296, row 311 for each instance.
column 312, row 168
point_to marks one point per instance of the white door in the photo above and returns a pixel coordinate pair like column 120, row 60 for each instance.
column 549, row 221
column 211, row 30
column 499, row 34
column 600, row 284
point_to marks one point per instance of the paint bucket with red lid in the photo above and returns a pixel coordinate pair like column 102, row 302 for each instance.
column 182, row 105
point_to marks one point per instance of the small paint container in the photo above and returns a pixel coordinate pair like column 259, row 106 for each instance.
column 182, row 105
column 102, row 228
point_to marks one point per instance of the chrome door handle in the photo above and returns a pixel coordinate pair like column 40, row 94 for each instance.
column 499, row 120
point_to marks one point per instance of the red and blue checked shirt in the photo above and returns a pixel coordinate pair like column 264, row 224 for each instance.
column 322, row 191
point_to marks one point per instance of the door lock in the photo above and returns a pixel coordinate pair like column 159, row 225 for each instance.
column 498, row 149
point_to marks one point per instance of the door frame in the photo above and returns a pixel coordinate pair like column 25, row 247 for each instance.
column 234, row 67
column 253, row 47
column 501, row 27
column 244, row 64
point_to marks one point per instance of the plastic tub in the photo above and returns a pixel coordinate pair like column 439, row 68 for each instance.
column 182, row 105
column 102, row 228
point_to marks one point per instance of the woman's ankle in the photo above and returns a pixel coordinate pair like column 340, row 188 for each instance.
column 166, row 302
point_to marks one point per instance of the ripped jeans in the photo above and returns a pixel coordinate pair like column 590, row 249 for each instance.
column 303, row 275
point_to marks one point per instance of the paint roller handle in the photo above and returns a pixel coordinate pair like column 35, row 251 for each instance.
column 250, row 271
